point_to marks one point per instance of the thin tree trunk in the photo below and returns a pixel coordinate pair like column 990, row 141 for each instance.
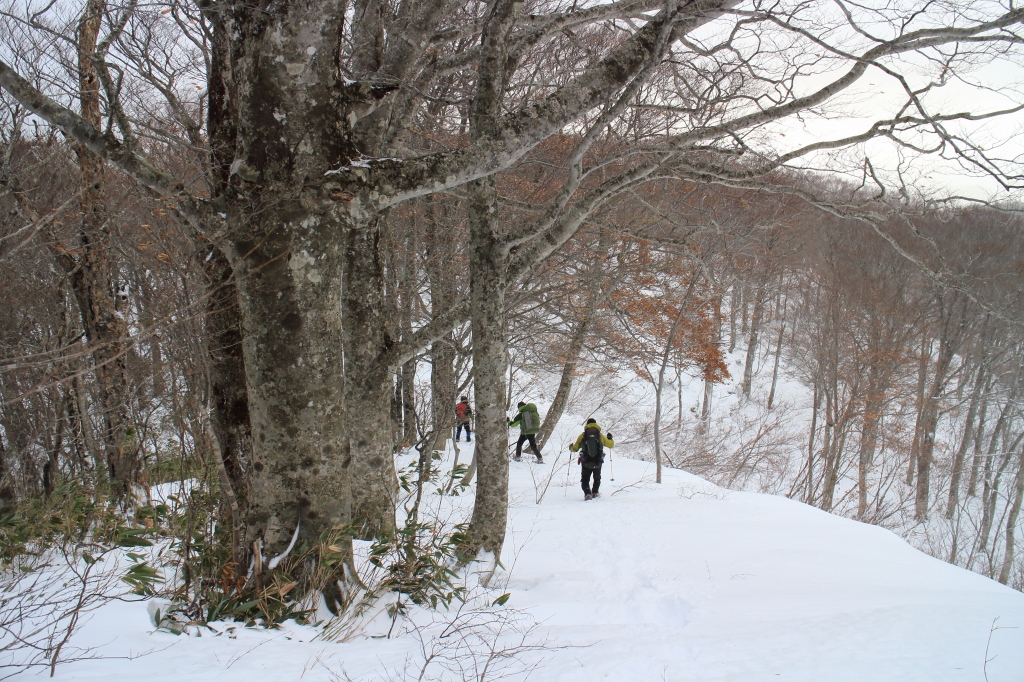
column 952, row 333
column 991, row 495
column 744, row 306
column 924, row 360
column 1011, row 522
column 734, row 305
column 408, row 375
column 94, row 275
column 7, row 493
column 442, row 297
column 558, row 405
column 815, row 404
column 775, row 367
column 709, row 387
column 660, row 384
column 979, row 438
column 755, row 328
column 869, row 431
column 965, row 440
column 596, row 297
column 407, row 295
column 705, row 404
column 80, row 405
column 829, row 480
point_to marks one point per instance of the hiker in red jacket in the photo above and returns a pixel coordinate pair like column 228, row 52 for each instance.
column 463, row 419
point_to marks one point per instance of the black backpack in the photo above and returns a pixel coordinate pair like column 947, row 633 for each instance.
column 592, row 449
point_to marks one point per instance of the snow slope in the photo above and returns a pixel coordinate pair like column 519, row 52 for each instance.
column 678, row 581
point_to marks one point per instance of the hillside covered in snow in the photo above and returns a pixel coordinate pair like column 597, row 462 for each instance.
column 678, row 581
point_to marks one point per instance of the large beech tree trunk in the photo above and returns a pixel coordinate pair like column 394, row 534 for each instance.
column 304, row 246
column 488, row 267
column 293, row 343
column 487, row 292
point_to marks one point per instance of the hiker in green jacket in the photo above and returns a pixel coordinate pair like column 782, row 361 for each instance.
column 591, row 445
column 528, row 421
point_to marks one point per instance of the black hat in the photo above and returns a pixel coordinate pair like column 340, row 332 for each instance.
column 521, row 404
column 591, row 421
column 464, row 399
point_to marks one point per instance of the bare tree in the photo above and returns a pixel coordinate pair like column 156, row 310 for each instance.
column 310, row 135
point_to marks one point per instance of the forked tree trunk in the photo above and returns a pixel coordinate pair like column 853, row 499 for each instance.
column 991, row 497
column 304, row 240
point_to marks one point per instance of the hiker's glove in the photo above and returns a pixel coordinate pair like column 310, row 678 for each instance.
column 610, row 436
column 579, row 460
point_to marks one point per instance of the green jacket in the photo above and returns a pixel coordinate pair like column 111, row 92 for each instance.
column 605, row 440
column 528, row 425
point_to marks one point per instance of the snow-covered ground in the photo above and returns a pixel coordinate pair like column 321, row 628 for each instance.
column 677, row 581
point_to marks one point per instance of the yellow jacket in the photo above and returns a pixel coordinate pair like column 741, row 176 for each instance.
column 605, row 440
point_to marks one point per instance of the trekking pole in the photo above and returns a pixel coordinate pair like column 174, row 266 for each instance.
column 611, row 465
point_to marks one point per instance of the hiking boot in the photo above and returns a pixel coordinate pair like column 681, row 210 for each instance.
column 517, row 459
column 588, row 496
column 595, row 495
column 540, row 460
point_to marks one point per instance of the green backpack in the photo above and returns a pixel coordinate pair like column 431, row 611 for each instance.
column 530, row 419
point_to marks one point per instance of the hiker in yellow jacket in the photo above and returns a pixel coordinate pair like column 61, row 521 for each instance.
column 591, row 444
